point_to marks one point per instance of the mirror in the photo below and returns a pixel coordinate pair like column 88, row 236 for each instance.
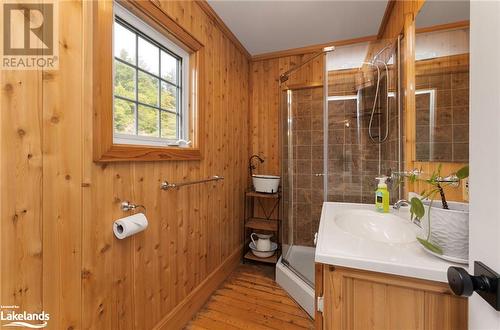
column 442, row 82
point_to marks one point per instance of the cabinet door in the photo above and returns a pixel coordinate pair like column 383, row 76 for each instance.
column 365, row 300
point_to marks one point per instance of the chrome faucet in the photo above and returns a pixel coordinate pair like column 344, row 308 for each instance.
column 404, row 202
column 399, row 203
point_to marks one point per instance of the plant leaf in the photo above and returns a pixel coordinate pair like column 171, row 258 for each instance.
column 417, row 207
column 429, row 246
column 463, row 172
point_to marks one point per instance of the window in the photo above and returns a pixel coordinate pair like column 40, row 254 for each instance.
column 145, row 71
column 150, row 84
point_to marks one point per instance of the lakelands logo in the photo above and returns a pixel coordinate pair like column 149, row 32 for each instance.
column 30, row 35
column 23, row 319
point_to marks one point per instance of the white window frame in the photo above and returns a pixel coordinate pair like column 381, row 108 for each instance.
column 160, row 38
column 432, row 116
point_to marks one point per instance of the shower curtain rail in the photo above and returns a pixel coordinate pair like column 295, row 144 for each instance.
column 284, row 76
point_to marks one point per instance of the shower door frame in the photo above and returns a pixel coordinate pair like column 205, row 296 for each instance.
column 291, row 218
column 289, row 131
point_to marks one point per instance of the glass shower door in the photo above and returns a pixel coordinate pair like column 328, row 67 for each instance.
column 303, row 176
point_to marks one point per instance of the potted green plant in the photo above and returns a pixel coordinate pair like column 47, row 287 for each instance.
column 447, row 225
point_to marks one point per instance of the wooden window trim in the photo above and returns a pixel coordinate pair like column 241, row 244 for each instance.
column 104, row 150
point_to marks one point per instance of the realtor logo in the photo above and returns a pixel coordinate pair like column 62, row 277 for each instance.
column 11, row 316
column 30, row 38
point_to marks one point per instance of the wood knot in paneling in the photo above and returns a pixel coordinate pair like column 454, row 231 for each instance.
column 105, row 248
column 47, row 76
column 100, row 309
column 8, row 88
column 86, row 274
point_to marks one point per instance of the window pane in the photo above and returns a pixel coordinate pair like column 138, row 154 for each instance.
column 124, row 43
column 124, row 80
column 148, row 121
column 124, row 117
column 148, row 89
column 149, row 56
column 168, row 67
column 168, row 96
column 168, row 125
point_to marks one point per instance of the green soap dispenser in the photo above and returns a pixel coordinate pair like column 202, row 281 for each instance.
column 382, row 195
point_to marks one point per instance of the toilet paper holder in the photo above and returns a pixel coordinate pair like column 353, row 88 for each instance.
column 128, row 206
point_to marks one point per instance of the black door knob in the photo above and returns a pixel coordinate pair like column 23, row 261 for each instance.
column 464, row 284
column 485, row 282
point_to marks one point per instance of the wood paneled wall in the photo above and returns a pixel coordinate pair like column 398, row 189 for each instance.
column 265, row 103
column 57, row 249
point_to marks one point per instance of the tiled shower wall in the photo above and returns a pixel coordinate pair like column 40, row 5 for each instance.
column 307, row 164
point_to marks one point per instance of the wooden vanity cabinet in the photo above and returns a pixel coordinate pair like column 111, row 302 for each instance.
column 357, row 299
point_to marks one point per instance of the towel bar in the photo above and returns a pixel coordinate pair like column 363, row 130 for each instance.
column 165, row 185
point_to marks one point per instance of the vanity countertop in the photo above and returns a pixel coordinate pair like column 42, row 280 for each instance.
column 341, row 248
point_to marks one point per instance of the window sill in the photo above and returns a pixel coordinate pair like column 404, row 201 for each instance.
column 126, row 153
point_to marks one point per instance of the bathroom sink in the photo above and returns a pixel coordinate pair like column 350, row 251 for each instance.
column 355, row 235
column 380, row 227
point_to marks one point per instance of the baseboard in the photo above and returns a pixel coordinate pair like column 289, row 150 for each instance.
column 188, row 307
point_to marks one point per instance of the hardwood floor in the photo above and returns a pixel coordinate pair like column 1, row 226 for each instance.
column 250, row 299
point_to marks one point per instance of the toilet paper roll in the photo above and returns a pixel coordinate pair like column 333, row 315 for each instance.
column 130, row 225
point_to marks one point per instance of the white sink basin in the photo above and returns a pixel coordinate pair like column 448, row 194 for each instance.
column 375, row 226
column 355, row 236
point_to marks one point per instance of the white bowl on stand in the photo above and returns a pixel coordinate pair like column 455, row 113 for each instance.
column 266, row 183
column 263, row 254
